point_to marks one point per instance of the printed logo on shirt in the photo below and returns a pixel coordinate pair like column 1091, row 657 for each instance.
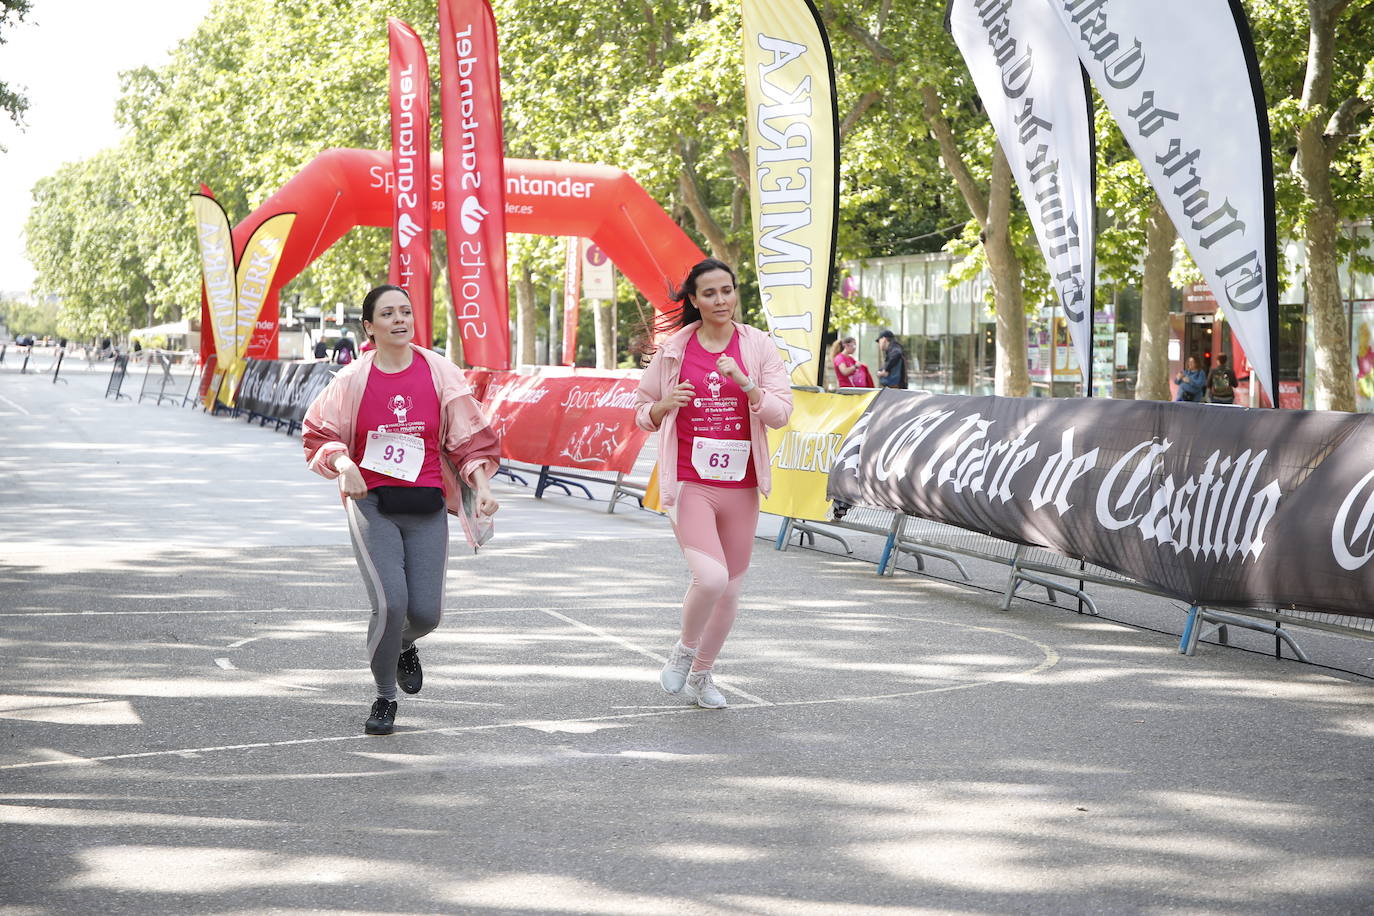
column 399, row 405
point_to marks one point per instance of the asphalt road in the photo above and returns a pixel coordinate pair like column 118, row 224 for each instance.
column 181, row 649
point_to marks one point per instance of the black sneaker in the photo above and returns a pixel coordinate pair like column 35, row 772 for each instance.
column 382, row 721
column 408, row 673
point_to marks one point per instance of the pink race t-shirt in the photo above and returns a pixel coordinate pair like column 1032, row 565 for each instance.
column 718, row 410
column 401, row 402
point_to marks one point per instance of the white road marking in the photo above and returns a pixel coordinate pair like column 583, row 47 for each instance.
column 242, row 642
column 758, row 701
column 629, row 605
column 546, row 724
column 18, row 407
column 226, row 664
column 293, row 686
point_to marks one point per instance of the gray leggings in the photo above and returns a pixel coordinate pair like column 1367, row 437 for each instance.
column 403, row 559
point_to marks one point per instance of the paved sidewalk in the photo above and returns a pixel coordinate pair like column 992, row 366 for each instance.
column 181, row 642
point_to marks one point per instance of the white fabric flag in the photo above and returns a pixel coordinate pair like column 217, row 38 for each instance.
column 1181, row 79
column 1027, row 73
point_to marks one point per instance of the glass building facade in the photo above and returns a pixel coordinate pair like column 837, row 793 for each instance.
column 949, row 334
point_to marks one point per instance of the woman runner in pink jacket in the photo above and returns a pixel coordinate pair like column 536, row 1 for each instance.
column 399, row 428
column 712, row 390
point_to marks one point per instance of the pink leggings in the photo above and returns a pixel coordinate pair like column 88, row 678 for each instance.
column 715, row 528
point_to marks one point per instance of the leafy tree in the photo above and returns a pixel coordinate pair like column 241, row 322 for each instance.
column 82, row 239
column 907, row 68
column 41, row 320
column 1136, row 247
column 1317, row 57
column 261, row 88
column 12, row 101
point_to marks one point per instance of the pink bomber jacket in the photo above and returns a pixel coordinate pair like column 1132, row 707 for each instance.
column 467, row 440
column 764, row 367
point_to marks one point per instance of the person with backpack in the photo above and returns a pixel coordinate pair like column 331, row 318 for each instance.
column 1221, row 383
column 344, row 350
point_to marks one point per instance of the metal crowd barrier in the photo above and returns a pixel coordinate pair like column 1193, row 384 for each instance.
column 622, row 487
column 162, row 382
column 57, row 366
column 882, row 522
column 924, row 539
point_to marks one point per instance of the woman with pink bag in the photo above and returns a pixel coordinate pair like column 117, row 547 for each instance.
column 849, row 372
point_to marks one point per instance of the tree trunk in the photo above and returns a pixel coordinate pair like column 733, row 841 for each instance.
column 555, row 339
column 526, row 316
column 994, row 215
column 692, row 197
column 605, row 334
column 1335, row 387
column 1013, row 379
column 1152, row 379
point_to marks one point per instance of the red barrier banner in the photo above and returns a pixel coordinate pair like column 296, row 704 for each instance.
column 410, row 227
column 479, row 379
column 474, row 180
column 572, row 300
column 571, row 421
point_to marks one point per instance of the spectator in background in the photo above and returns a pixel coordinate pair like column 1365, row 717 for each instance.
column 849, row 372
column 1191, row 382
column 1221, row 382
column 892, row 361
column 344, row 350
column 321, row 349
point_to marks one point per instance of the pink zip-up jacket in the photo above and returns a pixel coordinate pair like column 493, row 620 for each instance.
column 764, row 367
column 467, row 440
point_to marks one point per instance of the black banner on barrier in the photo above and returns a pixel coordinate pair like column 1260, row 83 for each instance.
column 258, row 386
column 278, row 404
column 1213, row 505
column 307, row 386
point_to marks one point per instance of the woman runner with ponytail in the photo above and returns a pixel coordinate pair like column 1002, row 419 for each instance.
column 398, row 427
column 711, row 392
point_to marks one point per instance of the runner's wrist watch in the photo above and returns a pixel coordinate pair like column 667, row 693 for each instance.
column 748, row 386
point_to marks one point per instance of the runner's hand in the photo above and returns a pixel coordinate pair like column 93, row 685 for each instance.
column 351, row 483
column 726, row 365
column 680, row 396
column 487, row 505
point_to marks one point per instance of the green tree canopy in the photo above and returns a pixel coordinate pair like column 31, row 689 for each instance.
column 12, row 100
column 655, row 88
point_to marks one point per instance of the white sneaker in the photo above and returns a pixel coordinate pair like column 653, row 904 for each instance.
column 674, row 674
column 702, row 688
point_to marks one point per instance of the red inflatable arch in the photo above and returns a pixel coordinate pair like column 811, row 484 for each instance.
column 343, row 188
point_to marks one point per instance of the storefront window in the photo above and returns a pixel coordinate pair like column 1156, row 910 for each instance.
column 1362, row 353
column 961, row 342
column 985, row 379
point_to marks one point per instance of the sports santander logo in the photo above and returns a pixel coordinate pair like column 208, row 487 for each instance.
column 472, row 215
column 407, row 228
